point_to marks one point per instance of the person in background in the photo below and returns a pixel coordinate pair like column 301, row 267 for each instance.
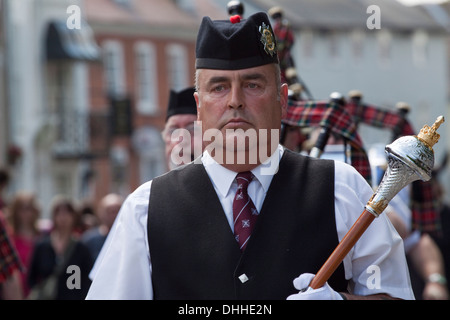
column 107, row 211
column 4, row 180
column 293, row 138
column 10, row 265
column 181, row 114
column 23, row 214
column 61, row 247
column 442, row 239
column 88, row 216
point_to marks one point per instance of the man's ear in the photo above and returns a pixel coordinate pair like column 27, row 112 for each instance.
column 197, row 102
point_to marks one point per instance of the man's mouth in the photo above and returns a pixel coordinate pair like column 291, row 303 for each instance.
column 236, row 123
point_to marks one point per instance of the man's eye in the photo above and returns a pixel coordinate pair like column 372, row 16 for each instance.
column 254, row 88
column 219, row 88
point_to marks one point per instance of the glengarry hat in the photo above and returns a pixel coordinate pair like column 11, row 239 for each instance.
column 241, row 44
column 182, row 102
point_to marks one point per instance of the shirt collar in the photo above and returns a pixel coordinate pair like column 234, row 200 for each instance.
column 222, row 178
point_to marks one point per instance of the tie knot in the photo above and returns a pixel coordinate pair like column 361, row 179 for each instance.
column 244, row 178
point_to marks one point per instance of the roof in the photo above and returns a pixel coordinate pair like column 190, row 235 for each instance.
column 163, row 18
column 182, row 18
column 186, row 13
column 344, row 14
column 138, row 11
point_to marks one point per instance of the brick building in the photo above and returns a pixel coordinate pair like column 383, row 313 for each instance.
column 148, row 48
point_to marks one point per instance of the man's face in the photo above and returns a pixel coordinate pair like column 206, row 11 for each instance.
column 178, row 121
column 109, row 208
column 247, row 99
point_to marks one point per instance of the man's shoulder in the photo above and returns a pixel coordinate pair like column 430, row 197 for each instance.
column 181, row 171
column 347, row 175
column 295, row 158
column 346, row 169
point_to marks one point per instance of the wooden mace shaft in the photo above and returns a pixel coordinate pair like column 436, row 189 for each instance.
column 342, row 249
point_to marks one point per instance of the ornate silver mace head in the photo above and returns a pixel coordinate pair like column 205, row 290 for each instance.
column 410, row 158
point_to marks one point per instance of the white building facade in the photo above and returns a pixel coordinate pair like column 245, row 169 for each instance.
column 47, row 97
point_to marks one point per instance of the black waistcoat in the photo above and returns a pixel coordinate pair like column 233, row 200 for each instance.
column 193, row 251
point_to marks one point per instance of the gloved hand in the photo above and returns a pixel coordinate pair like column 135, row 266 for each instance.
column 323, row 293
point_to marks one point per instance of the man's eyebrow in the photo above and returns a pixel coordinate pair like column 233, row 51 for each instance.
column 254, row 76
column 217, row 79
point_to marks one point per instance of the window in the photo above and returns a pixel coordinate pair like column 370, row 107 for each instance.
column 113, row 62
column 67, row 107
column 420, row 48
column 146, row 80
column 124, row 3
column 177, row 66
column 307, row 41
column 357, row 43
column 334, row 47
column 384, row 42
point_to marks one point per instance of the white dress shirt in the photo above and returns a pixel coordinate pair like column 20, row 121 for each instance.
column 376, row 264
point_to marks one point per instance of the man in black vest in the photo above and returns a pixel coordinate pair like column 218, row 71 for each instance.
column 248, row 219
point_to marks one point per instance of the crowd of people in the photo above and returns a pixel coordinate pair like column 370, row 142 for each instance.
column 36, row 257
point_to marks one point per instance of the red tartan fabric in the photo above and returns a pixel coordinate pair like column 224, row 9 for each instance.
column 377, row 117
column 425, row 207
column 9, row 259
column 330, row 115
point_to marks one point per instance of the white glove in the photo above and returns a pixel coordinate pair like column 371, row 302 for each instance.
column 323, row 293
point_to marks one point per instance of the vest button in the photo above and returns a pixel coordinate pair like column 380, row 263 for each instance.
column 243, row 277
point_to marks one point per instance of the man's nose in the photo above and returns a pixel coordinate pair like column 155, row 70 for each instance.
column 236, row 99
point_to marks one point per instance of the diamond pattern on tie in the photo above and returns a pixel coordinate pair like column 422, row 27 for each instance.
column 244, row 211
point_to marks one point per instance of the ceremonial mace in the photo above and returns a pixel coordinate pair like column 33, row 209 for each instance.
column 410, row 158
